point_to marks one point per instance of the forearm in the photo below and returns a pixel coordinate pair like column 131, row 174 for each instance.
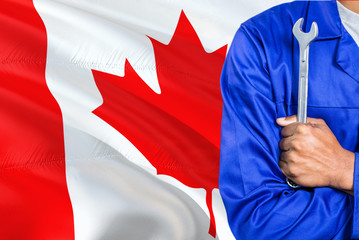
column 345, row 177
column 312, row 156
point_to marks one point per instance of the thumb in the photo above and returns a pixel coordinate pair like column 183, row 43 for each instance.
column 285, row 121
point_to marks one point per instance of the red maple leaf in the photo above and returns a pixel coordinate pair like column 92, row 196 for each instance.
column 178, row 131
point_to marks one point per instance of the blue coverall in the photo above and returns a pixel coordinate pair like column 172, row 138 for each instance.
column 259, row 84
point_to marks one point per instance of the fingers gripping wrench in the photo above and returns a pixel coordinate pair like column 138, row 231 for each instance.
column 304, row 40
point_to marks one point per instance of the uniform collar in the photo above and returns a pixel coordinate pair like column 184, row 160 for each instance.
column 347, row 56
column 326, row 14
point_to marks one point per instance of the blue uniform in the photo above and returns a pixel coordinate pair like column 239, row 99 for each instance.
column 259, row 84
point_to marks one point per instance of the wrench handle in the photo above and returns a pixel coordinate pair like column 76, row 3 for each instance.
column 303, row 84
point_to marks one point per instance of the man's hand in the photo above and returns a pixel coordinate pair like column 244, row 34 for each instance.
column 312, row 156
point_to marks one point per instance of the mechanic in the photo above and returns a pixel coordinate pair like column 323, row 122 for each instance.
column 261, row 141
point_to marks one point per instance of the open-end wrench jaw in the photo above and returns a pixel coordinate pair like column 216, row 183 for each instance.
column 304, row 38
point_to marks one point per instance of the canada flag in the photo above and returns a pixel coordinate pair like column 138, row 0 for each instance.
column 110, row 117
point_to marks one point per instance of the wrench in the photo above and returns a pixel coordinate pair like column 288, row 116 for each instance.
column 304, row 40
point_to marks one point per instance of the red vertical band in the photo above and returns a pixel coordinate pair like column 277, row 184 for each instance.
column 34, row 200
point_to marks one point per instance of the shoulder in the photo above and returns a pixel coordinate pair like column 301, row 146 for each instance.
column 269, row 31
column 264, row 41
column 276, row 22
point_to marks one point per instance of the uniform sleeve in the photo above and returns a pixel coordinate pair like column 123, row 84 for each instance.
column 259, row 204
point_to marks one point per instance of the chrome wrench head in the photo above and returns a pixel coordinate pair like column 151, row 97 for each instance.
column 303, row 38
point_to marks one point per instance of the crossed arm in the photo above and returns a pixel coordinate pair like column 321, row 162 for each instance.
column 312, row 156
